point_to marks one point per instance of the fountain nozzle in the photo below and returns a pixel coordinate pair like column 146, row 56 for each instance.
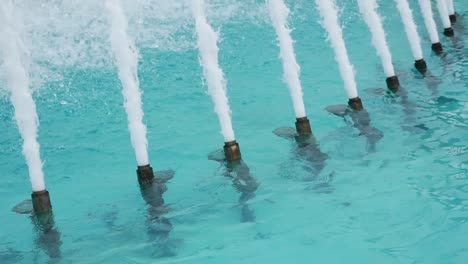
column 145, row 174
column 303, row 126
column 421, row 66
column 232, row 151
column 449, row 32
column 41, row 202
column 355, row 104
column 453, row 18
column 393, row 84
column 437, row 48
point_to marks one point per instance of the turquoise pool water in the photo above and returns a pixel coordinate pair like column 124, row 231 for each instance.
column 405, row 203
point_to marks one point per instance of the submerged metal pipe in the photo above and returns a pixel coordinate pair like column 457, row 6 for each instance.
column 41, row 202
column 145, row 174
column 437, row 48
column 453, row 18
column 232, row 151
column 303, row 126
column 356, row 104
column 48, row 235
column 421, row 66
column 393, row 84
column 449, row 32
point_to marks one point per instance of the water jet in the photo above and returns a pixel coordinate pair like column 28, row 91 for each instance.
column 207, row 42
column 431, row 27
column 279, row 15
column 329, row 14
column 368, row 9
column 406, row 15
column 444, row 16
column 126, row 57
column 18, row 82
column 451, row 12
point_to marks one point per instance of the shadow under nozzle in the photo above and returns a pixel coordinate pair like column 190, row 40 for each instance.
column 449, row 32
column 393, row 84
column 232, row 151
column 453, row 18
column 41, row 202
column 437, row 48
column 355, row 104
column 421, row 66
column 303, row 126
column 145, row 174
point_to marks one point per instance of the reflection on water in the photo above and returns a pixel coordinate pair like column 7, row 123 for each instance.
column 306, row 151
column 48, row 235
column 158, row 226
column 245, row 184
column 360, row 120
column 10, row 256
column 242, row 181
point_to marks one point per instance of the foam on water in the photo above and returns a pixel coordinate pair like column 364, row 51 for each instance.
column 74, row 34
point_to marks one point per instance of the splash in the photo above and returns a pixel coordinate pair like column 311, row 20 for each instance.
column 14, row 59
column 279, row 15
column 426, row 10
column 126, row 56
column 368, row 9
column 208, row 47
column 329, row 14
column 444, row 13
column 410, row 28
column 66, row 36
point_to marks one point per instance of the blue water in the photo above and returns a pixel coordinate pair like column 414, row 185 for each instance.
column 405, row 203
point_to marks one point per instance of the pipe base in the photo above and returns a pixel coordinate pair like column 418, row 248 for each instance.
column 303, row 126
column 437, row 48
column 449, row 32
column 41, row 202
column 355, row 104
column 145, row 174
column 232, row 151
column 421, row 66
column 393, row 84
column 453, row 18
